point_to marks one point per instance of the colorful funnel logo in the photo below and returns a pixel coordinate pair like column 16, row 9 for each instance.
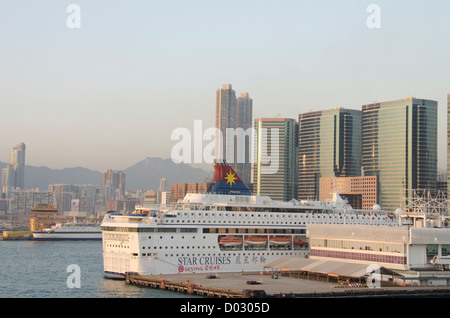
column 227, row 181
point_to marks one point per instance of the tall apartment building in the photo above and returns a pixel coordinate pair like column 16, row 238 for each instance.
column 225, row 118
column 233, row 113
column 21, row 202
column 63, row 194
column 13, row 175
column 116, row 180
column 399, row 146
column 244, row 121
column 275, row 168
column 163, row 185
column 329, row 145
column 179, row 190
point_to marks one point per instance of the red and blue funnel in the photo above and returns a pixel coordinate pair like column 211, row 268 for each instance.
column 227, row 181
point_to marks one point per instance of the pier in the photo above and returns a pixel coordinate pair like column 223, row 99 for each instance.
column 187, row 287
column 264, row 285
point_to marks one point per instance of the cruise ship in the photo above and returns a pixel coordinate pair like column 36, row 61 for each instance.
column 70, row 231
column 227, row 229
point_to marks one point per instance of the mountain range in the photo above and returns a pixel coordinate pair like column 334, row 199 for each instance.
column 144, row 175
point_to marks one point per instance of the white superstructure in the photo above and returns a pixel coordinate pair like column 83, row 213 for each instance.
column 209, row 233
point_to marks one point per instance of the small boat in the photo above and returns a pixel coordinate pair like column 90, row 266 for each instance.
column 300, row 243
column 230, row 240
column 280, row 240
column 255, row 240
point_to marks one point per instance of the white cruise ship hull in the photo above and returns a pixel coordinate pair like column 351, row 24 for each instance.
column 189, row 253
column 190, row 241
column 225, row 230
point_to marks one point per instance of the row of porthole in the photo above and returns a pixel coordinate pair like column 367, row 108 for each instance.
column 240, row 254
column 258, row 222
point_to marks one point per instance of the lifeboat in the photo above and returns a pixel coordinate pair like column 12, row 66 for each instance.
column 300, row 243
column 280, row 240
column 255, row 240
column 230, row 240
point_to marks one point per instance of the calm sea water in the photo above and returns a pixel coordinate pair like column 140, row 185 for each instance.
column 30, row 269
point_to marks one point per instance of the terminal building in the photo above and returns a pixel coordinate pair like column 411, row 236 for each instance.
column 415, row 250
column 404, row 247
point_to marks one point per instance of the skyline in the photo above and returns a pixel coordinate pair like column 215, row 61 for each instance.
column 105, row 95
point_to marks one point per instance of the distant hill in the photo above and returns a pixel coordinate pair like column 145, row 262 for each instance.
column 144, row 175
column 41, row 177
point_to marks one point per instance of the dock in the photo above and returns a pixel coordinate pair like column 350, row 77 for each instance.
column 187, row 287
column 264, row 285
column 16, row 235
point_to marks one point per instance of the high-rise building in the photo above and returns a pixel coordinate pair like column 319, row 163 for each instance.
column 13, row 175
column 116, row 180
column 163, row 185
column 63, row 194
column 329, row 145
column 244, row 121
column 360, row 192
column 275, row 168
column 399, row 146
column 22, row 201
column 8, row 177
column 17, row 160
column 179, row 190
column 225, row 118
column 231, row 115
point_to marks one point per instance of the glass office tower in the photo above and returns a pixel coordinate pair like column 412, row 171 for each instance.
column 399, row 146
column 275, row 167
column 329, row 145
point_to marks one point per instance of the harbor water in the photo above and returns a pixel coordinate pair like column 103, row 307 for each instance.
column 62, row 269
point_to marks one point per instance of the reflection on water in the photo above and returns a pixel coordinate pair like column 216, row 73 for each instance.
column 40, row 269
column 119, row 289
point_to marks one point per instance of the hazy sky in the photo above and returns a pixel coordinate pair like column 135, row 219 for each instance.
column 110, row 93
